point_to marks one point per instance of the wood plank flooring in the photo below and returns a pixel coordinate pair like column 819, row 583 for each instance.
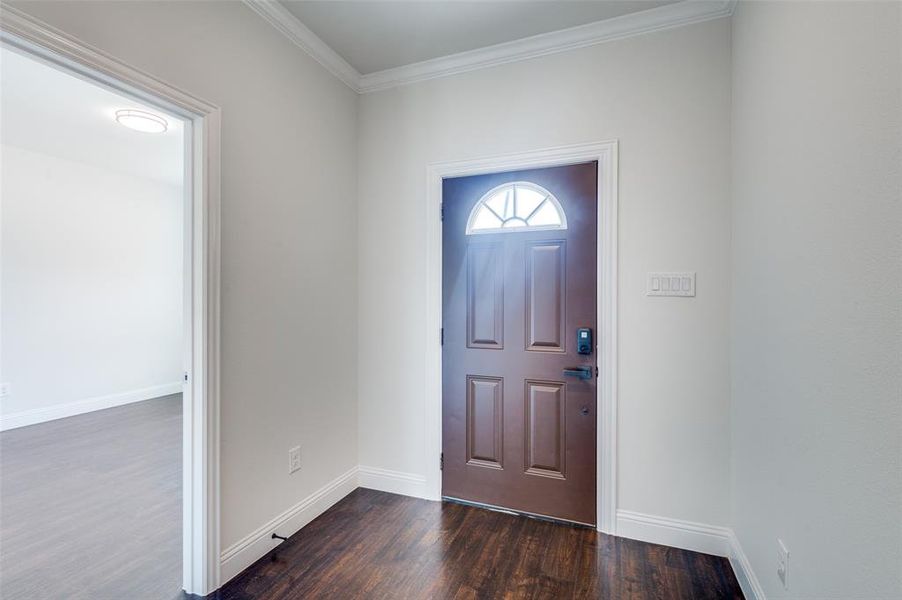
column 382, row 546
column 91, row 505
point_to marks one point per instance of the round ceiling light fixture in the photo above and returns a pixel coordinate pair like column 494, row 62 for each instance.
column 140, row 120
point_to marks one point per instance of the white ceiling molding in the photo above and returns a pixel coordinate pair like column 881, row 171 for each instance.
column 277, row 16
column 668, row 16
column 655, row 19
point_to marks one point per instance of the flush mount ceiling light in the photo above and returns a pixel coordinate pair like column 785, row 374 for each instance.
column 141, row 121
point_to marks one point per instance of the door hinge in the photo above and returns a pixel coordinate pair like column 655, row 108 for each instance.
column 441, row 461
column 442, row 336
column 441, row 211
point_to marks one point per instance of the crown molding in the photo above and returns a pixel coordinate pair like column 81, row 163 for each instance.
column 668, row 16
column 287, row 24
column 679, row 14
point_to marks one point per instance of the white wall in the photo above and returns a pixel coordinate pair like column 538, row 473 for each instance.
column 817, row 295
column 289, row 253
column 816, row 417
column 666, row 97
column 92, row 286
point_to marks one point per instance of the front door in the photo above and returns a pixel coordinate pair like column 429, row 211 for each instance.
column 519, row 351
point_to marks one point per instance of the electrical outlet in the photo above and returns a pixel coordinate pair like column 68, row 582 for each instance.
column 783, row 564
column 294, row 459
column 4, row 390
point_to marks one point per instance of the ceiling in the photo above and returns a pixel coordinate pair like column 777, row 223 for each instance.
column 374, row 35
column 34, row 116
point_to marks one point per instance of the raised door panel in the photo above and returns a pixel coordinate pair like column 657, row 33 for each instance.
column 485, row 398
column 545, row 296
column 545, row 441
column 485, row 296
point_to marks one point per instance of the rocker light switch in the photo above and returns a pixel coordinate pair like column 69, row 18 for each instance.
column 671, row 284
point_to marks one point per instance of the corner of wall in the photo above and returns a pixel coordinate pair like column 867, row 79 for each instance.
column 742, row 568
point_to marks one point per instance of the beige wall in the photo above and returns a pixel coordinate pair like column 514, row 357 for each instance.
column 666, row 97
column 817, row 316
column 289, row 256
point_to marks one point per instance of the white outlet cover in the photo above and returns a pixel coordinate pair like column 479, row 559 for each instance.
column 294, row 459
column 671, row 284
column 4, row 390
column 783, row 564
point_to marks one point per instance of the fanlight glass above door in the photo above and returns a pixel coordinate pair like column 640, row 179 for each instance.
column 513, row 207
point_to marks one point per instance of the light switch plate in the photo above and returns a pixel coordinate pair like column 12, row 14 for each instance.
column 671, row 284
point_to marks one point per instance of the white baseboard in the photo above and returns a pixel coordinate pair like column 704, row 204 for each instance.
column 687, row 535
column 396, row 482
column 251, row 548
column 748, row 581
column 698, row 537
column 70, row 409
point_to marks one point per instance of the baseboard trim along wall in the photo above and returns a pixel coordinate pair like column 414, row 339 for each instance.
column 698, row 537
column 748, row 581
column 252, row 547
column 395, row 482
column 70, row 409
column 687, row 535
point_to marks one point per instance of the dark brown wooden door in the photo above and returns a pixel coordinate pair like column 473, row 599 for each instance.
column 519, row 279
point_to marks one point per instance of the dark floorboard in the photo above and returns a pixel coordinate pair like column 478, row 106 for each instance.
column 379, row 546
column 91, row 505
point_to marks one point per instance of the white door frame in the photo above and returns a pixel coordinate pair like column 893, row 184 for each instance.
column 606, row 155
column 202, row 259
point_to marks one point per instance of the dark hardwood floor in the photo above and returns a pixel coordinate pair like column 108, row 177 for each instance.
column 90, row 506
column 382, row 546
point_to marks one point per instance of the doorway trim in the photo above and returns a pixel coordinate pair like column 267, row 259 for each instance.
column 200, row 535
column 605, row 153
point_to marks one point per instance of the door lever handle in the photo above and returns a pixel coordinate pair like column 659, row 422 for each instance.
column 583, row 372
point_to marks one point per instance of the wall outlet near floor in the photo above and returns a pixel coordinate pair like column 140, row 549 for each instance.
column 783, row 564
column 294, row 459
column 4, row 389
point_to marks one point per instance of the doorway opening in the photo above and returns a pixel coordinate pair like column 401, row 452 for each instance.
column 119, row 242
column 93, row 337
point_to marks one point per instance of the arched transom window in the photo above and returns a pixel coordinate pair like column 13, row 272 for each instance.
column 518, row 206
